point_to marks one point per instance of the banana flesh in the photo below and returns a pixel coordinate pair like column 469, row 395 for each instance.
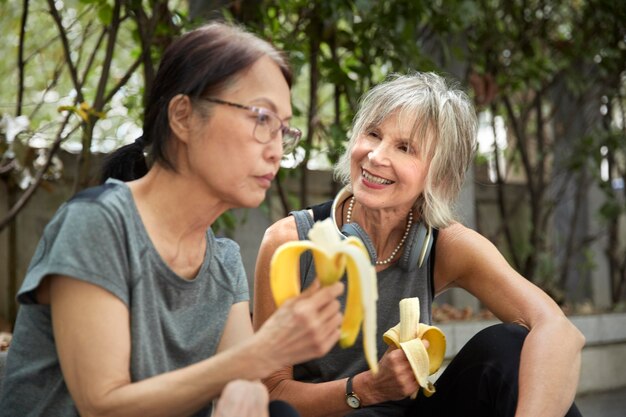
column 408, row 335
column 332, row 257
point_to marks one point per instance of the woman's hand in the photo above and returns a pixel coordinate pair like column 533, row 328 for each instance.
column 303, row 328
column 242, row 398
column 394, row 381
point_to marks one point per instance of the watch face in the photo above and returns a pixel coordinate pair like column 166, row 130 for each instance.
column 353, row 401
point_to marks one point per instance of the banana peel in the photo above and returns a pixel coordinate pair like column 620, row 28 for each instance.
column 333, row 256
column 408, row 335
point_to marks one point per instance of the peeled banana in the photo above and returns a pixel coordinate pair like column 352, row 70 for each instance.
column 332, row 256
column 408, row 335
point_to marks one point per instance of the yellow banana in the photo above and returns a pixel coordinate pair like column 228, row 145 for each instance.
column 408, row 335
column 332, row 257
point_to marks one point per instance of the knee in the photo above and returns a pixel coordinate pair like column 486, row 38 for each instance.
column 500, row 339
column 507, row 331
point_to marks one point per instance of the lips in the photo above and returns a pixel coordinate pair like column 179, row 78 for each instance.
column 265, row 180
column 374, row 179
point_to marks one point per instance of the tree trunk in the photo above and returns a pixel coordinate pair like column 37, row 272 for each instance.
column 12, row 252
column 313, row 31
column 576, row 115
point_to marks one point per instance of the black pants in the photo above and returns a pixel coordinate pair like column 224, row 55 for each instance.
column 282, row 409
column 481, row 381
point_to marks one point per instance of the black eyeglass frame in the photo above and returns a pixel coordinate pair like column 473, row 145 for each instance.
column 290, row 135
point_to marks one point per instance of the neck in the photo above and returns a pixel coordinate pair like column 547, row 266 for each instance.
column 159, row 194
column 178, row 231
column 388, row 234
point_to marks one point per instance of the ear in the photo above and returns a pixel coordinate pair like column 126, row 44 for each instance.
column 179, row 114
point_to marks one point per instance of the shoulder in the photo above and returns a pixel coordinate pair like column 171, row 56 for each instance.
column 99, row 193
column 461, row 251
column 225, row 250
column 465, row 243
column 469, row 260
column 103, row 203
column 456, row 236
column 284, row 230
column 91, row 210
column 224, row 244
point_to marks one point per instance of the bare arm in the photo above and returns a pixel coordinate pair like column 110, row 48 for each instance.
column 92, row 335
column 395, row 380
column 551, row 354
column 309, row 399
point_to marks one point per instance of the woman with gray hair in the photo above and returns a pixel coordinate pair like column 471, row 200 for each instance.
column 413, row 140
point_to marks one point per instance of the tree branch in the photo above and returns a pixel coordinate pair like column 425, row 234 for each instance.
column 38, row 178
column 108, row 58
column 501, row 198
column 66, row 49
column 129, row 73
column 521, row 143
column 92, row 56
column 21, row 64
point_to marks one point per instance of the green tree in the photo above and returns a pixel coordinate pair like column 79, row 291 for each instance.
column 76, row 67
column 339, row 50
column 539, row 63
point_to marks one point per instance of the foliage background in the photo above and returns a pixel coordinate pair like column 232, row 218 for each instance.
column 547, row 76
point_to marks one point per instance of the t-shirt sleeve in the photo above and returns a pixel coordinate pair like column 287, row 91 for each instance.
column 241, row 289
column 232, row 275
column 84, row 240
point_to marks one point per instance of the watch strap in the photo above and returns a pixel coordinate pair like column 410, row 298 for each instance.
column 349, row 386
column 352, row 399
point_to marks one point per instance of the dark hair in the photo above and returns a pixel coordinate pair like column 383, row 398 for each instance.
column 199, row 63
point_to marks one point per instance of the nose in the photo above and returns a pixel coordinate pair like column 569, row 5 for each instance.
column 378, row 155
column 274, row 149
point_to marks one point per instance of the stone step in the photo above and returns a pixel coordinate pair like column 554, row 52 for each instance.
column 604, row 355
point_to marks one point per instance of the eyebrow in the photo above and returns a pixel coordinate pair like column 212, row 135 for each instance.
column 265, row 102
column 410, row 140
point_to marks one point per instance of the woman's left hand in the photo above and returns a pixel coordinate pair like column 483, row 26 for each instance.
column 303, row 328
column 242, row 398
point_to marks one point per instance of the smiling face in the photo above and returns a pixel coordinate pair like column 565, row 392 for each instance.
column 386, row 168
column 223, row 154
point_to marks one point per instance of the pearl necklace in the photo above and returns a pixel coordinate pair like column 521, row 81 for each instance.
column 397, row 248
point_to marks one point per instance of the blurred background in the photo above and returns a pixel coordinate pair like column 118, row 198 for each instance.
column 548, row 79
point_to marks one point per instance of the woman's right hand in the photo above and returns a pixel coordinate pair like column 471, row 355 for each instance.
column 394, row 381
column 303, row 328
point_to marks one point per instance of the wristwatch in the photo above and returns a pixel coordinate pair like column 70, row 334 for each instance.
column 352, row 399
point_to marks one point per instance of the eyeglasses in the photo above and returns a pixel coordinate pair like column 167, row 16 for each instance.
column 267, row 125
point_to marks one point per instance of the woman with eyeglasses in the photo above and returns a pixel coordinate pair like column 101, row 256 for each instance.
column 131, row 306
column 412, row 141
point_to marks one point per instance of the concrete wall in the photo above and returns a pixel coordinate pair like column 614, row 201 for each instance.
column 31, row 222
column 477, row 208
column 603, row 366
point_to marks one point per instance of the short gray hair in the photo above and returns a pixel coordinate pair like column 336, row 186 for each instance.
column 444, row 129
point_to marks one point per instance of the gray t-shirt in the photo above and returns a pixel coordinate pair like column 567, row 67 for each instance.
column 98, row 237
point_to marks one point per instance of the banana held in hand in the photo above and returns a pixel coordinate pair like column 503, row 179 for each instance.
column 332, row 256
column 408, row 335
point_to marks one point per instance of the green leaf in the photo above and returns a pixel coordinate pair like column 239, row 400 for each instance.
column 105, row 14
column 611, row 210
